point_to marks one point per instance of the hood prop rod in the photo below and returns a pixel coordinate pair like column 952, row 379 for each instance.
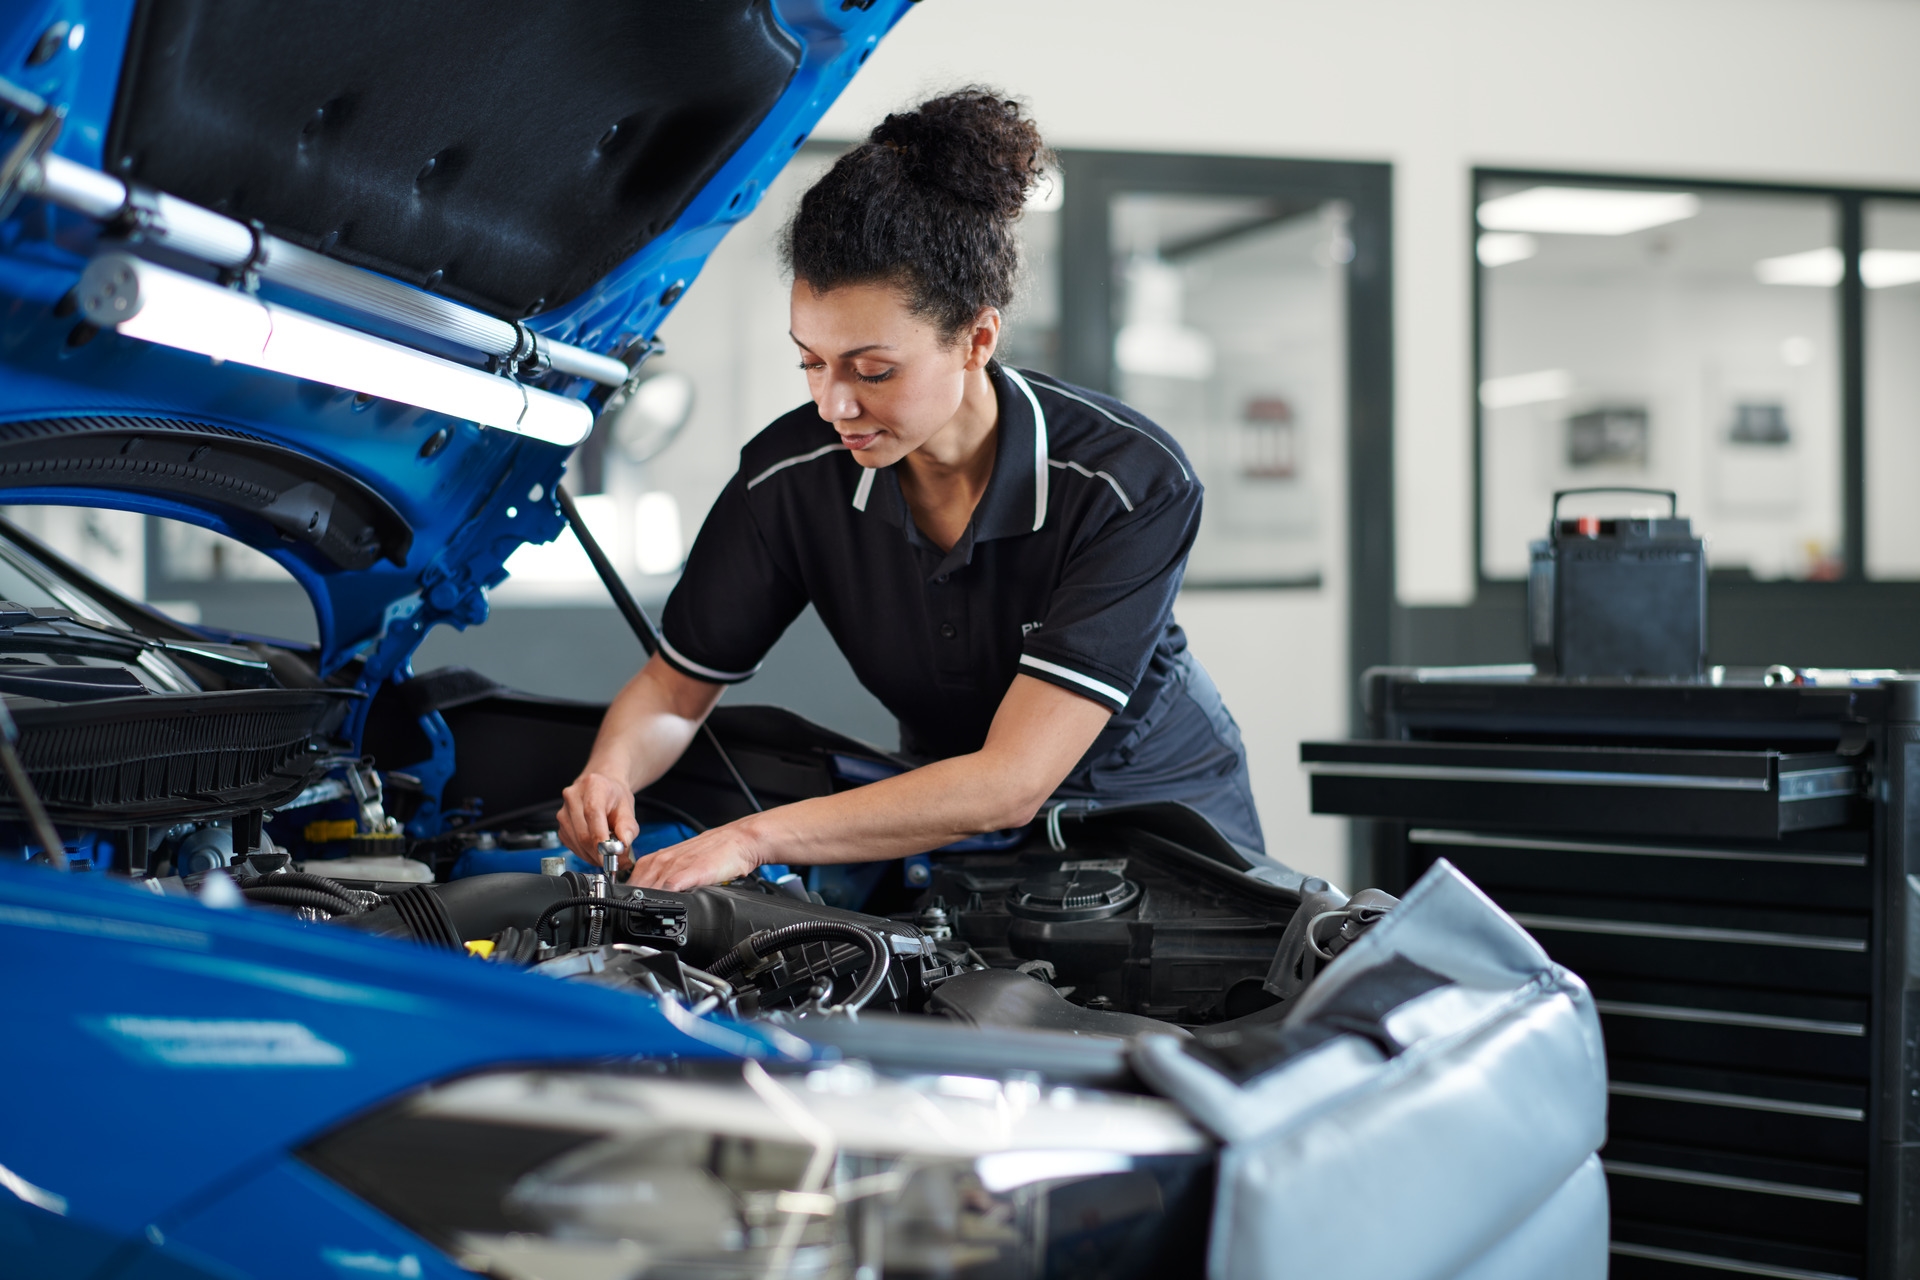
column 643, row 628
column 246, row 250
column 22, row 787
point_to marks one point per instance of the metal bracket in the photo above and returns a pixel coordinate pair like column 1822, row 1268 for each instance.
column 245, row 276
column 639, row 353
column 530, row 358
column 369, row 794
column 140, row 211
column 39, row 124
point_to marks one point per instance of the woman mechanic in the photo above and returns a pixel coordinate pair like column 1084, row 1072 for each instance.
column 995, row 552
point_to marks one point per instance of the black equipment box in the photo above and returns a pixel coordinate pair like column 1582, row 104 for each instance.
column 1618, row 597
column 1733, row 866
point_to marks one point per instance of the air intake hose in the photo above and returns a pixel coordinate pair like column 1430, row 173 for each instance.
column 427, row 918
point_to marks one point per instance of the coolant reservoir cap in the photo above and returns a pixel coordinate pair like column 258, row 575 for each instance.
column 1085, row 894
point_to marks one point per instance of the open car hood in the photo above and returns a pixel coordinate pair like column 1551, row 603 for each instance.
column 515, row 195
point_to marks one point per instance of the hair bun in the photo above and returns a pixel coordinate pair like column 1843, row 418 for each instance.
column 972, row 144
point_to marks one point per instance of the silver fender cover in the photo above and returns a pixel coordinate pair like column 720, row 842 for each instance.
column 1431, row 1109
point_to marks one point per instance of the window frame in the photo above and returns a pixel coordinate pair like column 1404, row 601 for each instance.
column 1850, row 297
column 1852, row 621
column 1091, row 179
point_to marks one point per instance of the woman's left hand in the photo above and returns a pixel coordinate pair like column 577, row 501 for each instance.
column 724, row 853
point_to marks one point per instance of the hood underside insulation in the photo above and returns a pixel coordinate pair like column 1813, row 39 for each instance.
column 364, row 130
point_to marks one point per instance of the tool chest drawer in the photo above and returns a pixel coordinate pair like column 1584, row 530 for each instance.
column 1733, row 982
column 1733, row 868
column 1652, row 791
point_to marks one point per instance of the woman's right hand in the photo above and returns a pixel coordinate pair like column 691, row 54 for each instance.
column 648, row 725
column 597, row 807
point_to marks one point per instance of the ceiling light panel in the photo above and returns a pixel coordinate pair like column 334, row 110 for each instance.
column 1823, row 268
column 1886, row 268
column 1541, row 387
column 1586, row 211
column 1815, row 268
column 1500, row 248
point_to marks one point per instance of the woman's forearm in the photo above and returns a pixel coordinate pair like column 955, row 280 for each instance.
column 926, row 808
column 649, row 724
column 1037, row 736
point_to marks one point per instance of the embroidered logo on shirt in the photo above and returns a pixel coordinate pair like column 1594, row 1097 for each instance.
column 1028, row 628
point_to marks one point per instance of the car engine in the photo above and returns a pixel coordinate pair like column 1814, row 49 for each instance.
column 1147, row 936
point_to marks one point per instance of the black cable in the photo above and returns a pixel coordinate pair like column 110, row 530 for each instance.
column 349, row 904
column 287, row 895
column 671, row 810
column 307, row 880
column 550, row 806
column 643, row 628
column 616, row 587
column 545, row 808
column 632, row 906
column 758, row 946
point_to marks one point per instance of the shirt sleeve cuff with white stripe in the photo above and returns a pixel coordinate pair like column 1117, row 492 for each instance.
column 1079, row 682
column 699, row 670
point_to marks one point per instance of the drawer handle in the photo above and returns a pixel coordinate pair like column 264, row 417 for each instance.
column 1727, row 1182
column 1687, row 933
column 1566, row 777
column 1713, row 1262
column 1727, row 1018
column 1819, row 784
column 1474, row 840
column 1705, row 1098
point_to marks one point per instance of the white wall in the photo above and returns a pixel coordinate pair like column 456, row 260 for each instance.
column 1808, row 90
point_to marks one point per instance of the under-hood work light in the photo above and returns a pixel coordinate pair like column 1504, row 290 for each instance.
column 141, row 300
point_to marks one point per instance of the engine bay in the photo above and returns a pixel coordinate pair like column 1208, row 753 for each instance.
column 1146, row 936
column 242, row 776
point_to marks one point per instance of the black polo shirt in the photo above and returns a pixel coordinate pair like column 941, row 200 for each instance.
column 1067, row 571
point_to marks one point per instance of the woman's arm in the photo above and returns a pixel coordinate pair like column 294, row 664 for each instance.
column 1039, row 733
column 646, row 729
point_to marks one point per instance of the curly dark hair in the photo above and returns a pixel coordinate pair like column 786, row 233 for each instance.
column 927, row 204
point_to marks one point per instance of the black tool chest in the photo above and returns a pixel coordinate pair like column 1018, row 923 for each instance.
column 1735, row 871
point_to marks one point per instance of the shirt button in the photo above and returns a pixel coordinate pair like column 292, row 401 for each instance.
column 947, row 630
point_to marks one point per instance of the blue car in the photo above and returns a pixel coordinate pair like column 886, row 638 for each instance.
column 295, row 980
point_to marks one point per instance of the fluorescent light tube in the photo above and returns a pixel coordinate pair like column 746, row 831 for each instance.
column 1822, row 268
column 1586, row 211
column 1499, row 248
column 1888, row 268
column 1517, row 389
column 141, row 300
column 1817, row 268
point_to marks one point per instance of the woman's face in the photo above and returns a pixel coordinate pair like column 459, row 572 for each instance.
column 886, row 379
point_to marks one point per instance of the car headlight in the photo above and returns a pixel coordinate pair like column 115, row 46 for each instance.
column 830, row 1172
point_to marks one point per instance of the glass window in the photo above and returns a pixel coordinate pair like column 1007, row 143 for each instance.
column 110, row 545
column 1890, row 270
column 1031, row 335
column 199, row 576
column 1666, row 338
column 1229, row 333
column 183, row 570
